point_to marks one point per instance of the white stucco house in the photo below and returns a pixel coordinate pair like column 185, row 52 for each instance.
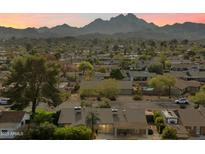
column 11, row 122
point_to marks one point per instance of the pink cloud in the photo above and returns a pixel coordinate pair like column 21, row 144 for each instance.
column 22, row 20
column 171, row 18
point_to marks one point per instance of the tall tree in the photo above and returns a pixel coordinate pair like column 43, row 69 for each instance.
column 156, row 68
column 116, row 74
column 169, row 81
column 109, row 88
column 85, row 66
column 163, row 60
column 198, row 98
column 33, row 79
column 91, row 121
column 158, row 84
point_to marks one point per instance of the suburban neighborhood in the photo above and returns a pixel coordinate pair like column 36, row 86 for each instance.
column 102, row 87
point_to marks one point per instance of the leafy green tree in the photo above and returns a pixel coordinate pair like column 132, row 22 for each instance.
column 169, row 133
column 161, row 82
column 156, row 114
column 115, row 48
column 85, row 66
column 163, row 44
column 33, row 79
column 42, row 116
column 109, row 88
column 29, row 47
column 125, row 63
column 169, row 81
column 158, row 84
column 202, row 89
column 116, row 74
column 138, row 92
column 159, row 122
column 168, row 65
column 163, row 60
column 156, row 68
column 198, row 98
column 185, row 42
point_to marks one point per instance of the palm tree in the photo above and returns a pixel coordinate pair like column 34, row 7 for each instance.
column 91, row 121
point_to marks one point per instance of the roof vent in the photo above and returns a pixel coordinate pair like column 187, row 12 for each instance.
column 77, row 108
column 114, row 110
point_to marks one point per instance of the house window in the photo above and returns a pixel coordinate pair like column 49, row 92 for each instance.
column 27, row 121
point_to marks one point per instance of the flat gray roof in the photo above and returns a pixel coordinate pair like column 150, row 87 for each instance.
column 130, row 118
column 191, row 117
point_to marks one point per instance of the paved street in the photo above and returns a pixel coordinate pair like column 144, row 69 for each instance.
column 128, row 102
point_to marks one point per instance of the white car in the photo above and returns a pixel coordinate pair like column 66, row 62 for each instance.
column 182, row 101
column 4, row 101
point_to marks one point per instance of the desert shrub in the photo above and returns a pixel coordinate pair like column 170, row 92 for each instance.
column 85, row 104
column 182, row 106
column 44, row 131
column 102, row 70
column 150, row 132
column 88, row 92
column 104, row 104
column 73, row 133
column 137, row 97
column 76, row 87
column 65, row 96
column 169, row 133
column 71, row 78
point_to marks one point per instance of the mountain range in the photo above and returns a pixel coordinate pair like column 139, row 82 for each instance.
column 125, row 26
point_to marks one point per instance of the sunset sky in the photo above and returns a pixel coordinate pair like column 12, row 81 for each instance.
column 78, row 20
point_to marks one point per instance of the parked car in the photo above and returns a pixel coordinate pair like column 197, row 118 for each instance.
column 4, row 101
column 182, row 101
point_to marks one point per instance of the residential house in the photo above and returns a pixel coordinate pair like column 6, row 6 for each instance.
column 184, row 66
column 182, row 86
column 111, row 121
column 130, row 122
column 198, row 76
column 100, row 76
column 140, row 75
column 193, row 120
column 178, row 74
column 11, row 122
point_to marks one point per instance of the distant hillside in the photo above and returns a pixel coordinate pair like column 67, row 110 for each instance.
column 126, row 26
